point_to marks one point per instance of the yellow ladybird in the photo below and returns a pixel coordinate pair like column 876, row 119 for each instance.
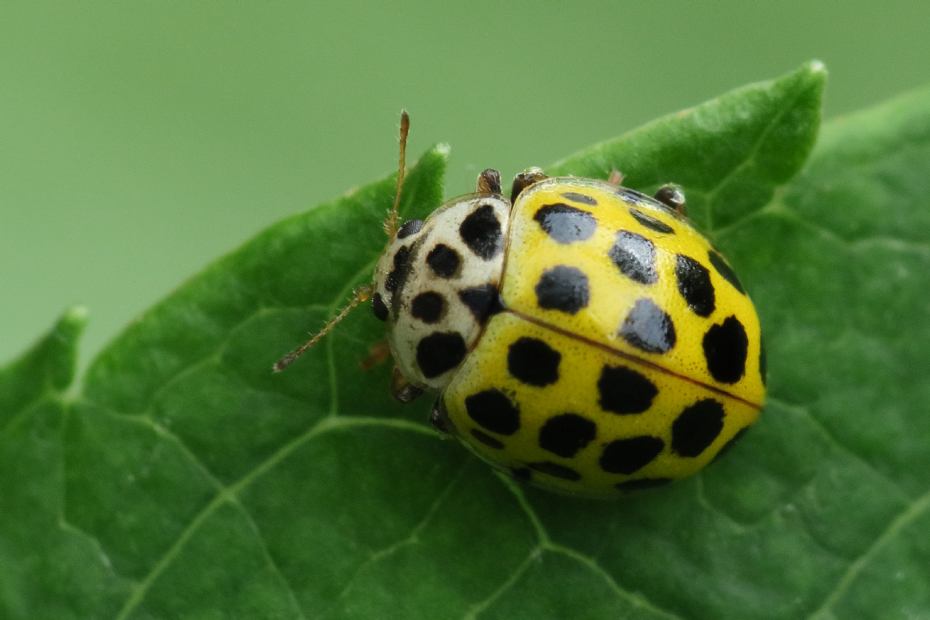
column 581, row 336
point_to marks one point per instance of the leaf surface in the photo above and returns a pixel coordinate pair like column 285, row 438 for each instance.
column 47, row 568
column 187, row 480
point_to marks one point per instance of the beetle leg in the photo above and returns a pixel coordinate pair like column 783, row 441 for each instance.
column 439, row 418
column 378, row 352
column 401, row 389
column 616, row 177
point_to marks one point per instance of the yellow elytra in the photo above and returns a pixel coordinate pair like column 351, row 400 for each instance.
column 628, row 355
column 582, row 336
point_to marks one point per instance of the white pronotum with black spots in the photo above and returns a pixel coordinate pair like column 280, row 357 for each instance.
column 438, row 282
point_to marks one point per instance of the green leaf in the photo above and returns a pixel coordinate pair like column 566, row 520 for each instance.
column 729, row 154
column 841, row 285
column 187, row 480
column 47, row 568
column 42, row 373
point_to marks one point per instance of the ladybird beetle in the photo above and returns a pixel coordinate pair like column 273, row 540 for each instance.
column 582, row 336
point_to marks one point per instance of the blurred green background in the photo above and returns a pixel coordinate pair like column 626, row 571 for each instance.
column 140, row 140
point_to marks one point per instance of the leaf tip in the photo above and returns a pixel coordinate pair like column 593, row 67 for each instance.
column 75, row 316
column 443, row 149
column 71, row 325
column 813, row 72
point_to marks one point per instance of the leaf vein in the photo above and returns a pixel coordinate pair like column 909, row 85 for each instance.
column 141, row 589
column 750, row 158
column 913, row 510
column 705, row 502
column 867, row 243
column 834, row 441
column 546, row 544
column 394, row 547
column 270, row 559
column 636, row 600
column 477, row 608
column 34, row 405
column 541, row 534
column 777, row 206
column 230, row 494
column 342, row 295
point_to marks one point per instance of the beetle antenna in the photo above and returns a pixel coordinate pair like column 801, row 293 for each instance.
column 362, row 293
column 391, row 223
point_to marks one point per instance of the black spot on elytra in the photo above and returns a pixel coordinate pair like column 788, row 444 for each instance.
column 641, row 484
column 581, row 198
column 763, row 363
column 427, row 306
column 483, row 301
column 521, row 473
column 555, row 470
column 625, row 391
column 725, row 349
column 565, row 224
column 562, row 288
column 651, row 223
column 533, row 362
column 635, row 256
column 493, row 411
column 730, row 443
column 481, row 232
column 725, row 270
column 694, row 285
column 627, row 456
column 648, row 328
column 566, row 434
column 377, row 306
column 400, row 265
column 697, row 427
column 632, row 196
column 410, row 227
column 440, row 352
column 443, row 260
column 639, row 198
column 486, row 439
